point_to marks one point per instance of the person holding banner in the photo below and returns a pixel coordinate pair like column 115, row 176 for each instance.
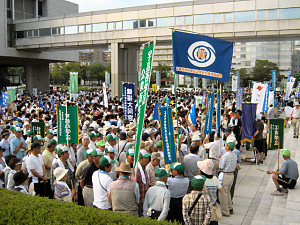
column 295, row 118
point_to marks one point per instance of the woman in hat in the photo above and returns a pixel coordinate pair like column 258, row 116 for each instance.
column 15, row 165
column 212, row 186
column 5, row 142
column 62, row 191
column 21, row 179
column 2, row 166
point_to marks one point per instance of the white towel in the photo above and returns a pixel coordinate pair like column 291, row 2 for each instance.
column 143, row 175
column 61, row 165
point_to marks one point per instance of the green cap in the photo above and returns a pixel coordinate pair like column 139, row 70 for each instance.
column 29, row 133
column 160, row 172
column 52, row 142
column 230, row 144
column 88, row 152
column 144, row 154
column 49, row 131
column 100, row 143
column 159, row 144
column 285, row 152
column 106, row 160
column 178, row 167
column 37, row 138
column 91, row 135
column 61, row 149
column 198, row 182
column 12, row 127
column 130, row 151
column 109, row 150
column 97, row 134
column 130, row 145
column 110, row 137
column 96, row 152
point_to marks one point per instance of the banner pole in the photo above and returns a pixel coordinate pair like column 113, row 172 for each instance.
column 278, row 152
column 65, row 122
column 175, row 86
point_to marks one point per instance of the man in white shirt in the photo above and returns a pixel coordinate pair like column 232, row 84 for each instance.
column 37, row 170
column 101, row 183
column 295, row 117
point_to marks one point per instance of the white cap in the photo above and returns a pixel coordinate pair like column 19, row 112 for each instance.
column 196, row 138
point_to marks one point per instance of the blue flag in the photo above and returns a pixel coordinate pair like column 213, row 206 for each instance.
column 266, row 100
column 155, row 113
column 193, row 115
column 40, row 103
column 201, row 56
column 289, row 75
column 4, row 99
column 239, row 97
column 218, row 120
column 209, row 114
column 167, row 133
column 248, row 121
column 168, row 101
column 274, row 79
column 128, row 101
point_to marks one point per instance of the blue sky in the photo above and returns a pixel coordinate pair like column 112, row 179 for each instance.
column 93, row 5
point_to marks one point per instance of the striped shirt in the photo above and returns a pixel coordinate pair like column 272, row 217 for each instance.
column 201, row 214
column 60, row 191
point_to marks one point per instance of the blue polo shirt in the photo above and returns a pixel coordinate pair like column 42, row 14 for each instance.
column 289, row 169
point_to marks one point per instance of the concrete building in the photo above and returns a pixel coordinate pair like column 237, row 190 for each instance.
column 35, row 62
column 124, row 30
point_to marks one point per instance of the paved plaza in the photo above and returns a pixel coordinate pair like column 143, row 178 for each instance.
column 253, row 203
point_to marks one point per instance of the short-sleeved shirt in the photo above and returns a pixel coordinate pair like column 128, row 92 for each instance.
column 228, row 162
column 35, row 163
column 101, row 187
column 260, row 127
column 178, row 186
column 48, row 158
column 289, row 169
column 212, row 186
column 14, row 144
column 151, row 172
column 88, row 173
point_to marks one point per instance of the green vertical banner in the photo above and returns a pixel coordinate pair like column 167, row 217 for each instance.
column 38, row 128
column 67, row 124
column 11, row 91
column 276, row 130
column 147, row 59
column 74, row 84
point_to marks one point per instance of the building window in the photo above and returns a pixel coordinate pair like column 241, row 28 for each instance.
column 203, row 19
column 244, row 16
column 272, row 14
column 99, row 27
column 178, row 20
column 130, row 24
column 35, row 33
column 165, row 21
column 291, row 13
column 21, row 34
column 88, row 28
column 228, row 17
column 110, row 26
column 45, row 32
column 29, row 33
column 219, row 18
column 142, row 23
column 151, row 22
column 261, row 15
column 188, row 20
column 71, row 30
column 81, row 28
column 118, row 25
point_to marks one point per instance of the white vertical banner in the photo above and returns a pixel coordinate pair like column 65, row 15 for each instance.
column 105, row 95
column 289, row 87
column 271, row 98
column 173, row 89
column 234, row 83
column 34, row 91
column 258, row 96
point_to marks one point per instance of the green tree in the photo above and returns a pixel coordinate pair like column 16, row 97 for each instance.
column 262, row 71
column 165, row 71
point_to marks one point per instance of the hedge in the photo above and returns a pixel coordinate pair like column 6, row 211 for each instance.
column 18, row 208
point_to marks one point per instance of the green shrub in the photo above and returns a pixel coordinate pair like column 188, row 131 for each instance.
column 18, row 208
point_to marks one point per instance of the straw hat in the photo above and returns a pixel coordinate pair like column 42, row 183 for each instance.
column 124, row 167
column 59, row 173
column 206, row 166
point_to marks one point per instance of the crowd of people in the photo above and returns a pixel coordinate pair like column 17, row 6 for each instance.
column 98, row 171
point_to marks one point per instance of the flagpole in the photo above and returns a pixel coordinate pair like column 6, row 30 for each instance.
column 65, row 122
column 175, row 87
